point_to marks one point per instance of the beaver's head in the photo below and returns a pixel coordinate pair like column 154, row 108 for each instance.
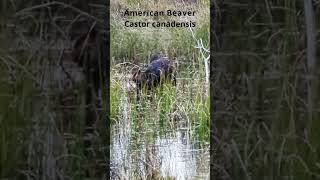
column 139, row 76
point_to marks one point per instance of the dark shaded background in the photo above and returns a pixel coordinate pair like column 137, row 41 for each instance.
column 53, row 109
column 265, row 89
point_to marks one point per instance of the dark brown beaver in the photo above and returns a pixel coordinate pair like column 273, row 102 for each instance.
column 159, row 70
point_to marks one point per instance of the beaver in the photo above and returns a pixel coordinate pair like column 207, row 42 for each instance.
column 159, row 70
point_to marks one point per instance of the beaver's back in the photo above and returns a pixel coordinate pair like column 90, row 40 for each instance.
column 158, row 66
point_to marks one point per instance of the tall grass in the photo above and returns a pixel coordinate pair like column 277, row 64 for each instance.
column 135, row 45
column 169, row 106
column 139, row 43
column 33, row 140
column 261, row 94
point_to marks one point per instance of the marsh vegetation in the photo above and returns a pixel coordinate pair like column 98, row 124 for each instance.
column 266, row 90
column 166, row 136
column 45, row 101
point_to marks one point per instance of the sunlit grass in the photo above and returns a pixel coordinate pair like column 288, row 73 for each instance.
column 137, row 44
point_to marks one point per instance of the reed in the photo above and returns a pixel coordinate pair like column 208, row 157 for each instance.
column 261, row 94
column 169, row 107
